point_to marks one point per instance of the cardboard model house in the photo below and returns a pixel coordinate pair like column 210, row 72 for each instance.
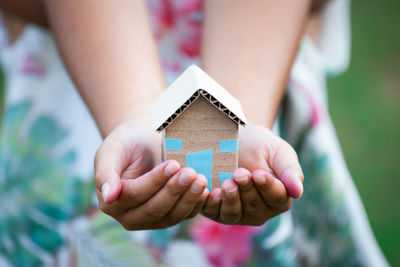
column 200, row 120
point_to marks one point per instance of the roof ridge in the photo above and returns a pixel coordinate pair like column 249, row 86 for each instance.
column 192, row 83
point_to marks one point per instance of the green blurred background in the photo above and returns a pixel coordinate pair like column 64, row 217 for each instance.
column 365, row 107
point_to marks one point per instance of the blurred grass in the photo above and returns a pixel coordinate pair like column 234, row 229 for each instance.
column 365, row 107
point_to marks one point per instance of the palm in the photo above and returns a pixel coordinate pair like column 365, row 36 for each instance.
column 257, row 147
column 142, row 160
column 142, row 149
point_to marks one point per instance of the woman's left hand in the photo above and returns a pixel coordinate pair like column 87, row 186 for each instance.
column 263, row 187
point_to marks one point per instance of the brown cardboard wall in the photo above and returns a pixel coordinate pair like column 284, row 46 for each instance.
column 201, row 126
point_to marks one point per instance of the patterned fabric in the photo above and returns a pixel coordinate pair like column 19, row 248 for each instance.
column 49, row 214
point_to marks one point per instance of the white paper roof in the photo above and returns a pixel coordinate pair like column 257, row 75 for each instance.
column 192, row 83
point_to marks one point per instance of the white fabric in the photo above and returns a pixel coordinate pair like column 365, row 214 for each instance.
column 335, row 36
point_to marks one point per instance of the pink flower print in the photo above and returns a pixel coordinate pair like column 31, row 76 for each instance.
column 161, row 16
column 188, row 22
column 189, row 37
column 315, row 114
column 224, row 245
column 32, row 66
column 183, row 18
column 174, row 66
column 186, row 6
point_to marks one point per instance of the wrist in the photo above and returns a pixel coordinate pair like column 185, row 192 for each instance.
column 260, row 116
column 141, row 120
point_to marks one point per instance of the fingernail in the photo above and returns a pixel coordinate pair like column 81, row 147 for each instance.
column 289, row 173
column 242, row 180
column 203, row 179
column 290, row 176
column 231, row 193
column 196, row 187
column 301, row 187
column 105, row 190
column 171, row 168
column 217, row 198
column 259, row 179
column 184, row 178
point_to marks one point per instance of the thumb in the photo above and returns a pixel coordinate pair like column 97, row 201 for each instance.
column 108, row 165
column 286, row 165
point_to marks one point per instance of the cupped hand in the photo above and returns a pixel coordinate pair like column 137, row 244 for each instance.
column 138, row 194
column 269, row 177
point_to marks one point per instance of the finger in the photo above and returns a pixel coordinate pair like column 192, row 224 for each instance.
column 287, row 167
column 271, row 189
column 211, row 208
column 200, row 204
column 231, row 207
column 157, row 207
column 252, row 202
column 136, row 191
column 109, row 162
column 188, row 201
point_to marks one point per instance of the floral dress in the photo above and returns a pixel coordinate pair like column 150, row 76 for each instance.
column 48, row 139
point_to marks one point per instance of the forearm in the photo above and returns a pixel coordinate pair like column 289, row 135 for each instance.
column 249, row 48
column 111, row 56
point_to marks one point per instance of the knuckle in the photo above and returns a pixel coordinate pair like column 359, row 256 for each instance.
column 284, row 207
column 153, row 213
column 212, row 214
column 173, row 190
column 105, row 208
column 128, row 226
column 190, row 202
column 129, row 223
column 284, row 202
column 231, row 202
column 253, row 210
column 231, row 217
column 246, row 188
column 252, row 203
column 155, row 177
column 174, row 219
column 267, row 186
column 134, row 195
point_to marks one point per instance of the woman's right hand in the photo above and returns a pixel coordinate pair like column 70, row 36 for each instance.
column 138, row 194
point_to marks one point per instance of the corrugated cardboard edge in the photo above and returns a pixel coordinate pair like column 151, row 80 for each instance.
column 185, row 90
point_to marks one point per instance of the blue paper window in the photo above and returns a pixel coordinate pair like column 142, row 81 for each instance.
column 224, row 176
column 201, row 162
column 229, row 145
column 173, row 144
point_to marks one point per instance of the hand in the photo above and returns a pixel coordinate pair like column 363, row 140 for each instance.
column 263, row 187
column 137, row 194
